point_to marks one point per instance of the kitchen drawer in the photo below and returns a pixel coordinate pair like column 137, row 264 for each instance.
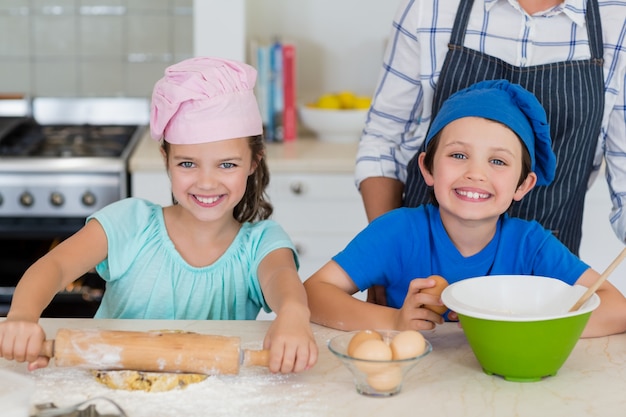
column 313, row 187
column 320, row 216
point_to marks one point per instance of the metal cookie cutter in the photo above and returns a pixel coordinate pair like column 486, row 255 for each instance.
column 82, row 409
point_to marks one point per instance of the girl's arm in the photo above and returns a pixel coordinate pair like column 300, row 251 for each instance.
column 20, row 335
column 610, row 316
column 289, row 338
column 330, row 291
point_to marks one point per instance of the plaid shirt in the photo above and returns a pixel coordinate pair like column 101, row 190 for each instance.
column 401, row 109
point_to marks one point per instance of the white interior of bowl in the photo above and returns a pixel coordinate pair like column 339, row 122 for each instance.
column 516, row 298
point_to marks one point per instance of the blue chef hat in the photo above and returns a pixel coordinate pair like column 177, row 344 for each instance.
column 511, row 105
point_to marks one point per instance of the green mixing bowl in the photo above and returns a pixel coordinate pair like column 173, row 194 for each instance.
column 518, row 326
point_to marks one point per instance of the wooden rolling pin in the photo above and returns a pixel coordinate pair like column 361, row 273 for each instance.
column 151, row 351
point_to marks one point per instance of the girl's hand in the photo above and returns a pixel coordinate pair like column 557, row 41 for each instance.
column 22, row 341
column 413, row 315
column 291, row 342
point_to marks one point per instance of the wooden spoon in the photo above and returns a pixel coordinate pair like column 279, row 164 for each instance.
column 599, row 282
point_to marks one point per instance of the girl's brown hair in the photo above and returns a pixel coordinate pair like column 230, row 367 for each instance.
column 431, row 149
column 254, row 205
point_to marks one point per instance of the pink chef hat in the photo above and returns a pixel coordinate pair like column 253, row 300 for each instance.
column 205, row 99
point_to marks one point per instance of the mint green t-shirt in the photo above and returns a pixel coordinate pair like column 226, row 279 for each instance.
column 146, row 278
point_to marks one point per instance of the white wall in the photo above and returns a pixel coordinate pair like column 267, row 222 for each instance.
column 600, row 245
column 340, row 42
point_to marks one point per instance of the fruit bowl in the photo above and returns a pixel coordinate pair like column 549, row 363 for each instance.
column 334, row 125
column 518, row 326
column 375, row 378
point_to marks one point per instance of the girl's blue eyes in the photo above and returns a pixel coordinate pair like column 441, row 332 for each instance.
column 188, row 164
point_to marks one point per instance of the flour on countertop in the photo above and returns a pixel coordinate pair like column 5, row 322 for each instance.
column 253, row 392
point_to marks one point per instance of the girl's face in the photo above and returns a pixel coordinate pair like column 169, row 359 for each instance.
column 209, row 179
column 476, row 170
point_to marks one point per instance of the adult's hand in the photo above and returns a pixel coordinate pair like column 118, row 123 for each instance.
column 380, row 195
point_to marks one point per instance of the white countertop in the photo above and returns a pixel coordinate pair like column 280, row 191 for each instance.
column 447, row 382
column 301, row 155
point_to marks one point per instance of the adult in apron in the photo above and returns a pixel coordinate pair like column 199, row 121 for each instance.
column 572, row 93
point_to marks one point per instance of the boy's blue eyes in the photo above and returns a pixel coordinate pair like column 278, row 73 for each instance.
column 462, row 156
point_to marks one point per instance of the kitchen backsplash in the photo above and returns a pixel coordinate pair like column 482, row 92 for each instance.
column 91, row 48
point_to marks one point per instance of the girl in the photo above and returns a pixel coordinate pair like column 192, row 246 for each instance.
column 211, row 255
column 488, row 146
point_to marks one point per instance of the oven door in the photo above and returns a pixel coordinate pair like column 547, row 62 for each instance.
column 22, row 242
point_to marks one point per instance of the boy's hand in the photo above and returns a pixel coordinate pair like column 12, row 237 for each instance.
column 413, row 315
column 22, row 341
column 291, row 342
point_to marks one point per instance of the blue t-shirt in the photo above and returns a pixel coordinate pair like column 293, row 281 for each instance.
column 146, row 277
column 409, row 243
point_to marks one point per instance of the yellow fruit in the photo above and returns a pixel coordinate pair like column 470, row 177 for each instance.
column 328, row 101
column 347, row 99
column 362, row 102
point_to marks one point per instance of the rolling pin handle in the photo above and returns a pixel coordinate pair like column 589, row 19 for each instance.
column 47, row 349
column 256, row 357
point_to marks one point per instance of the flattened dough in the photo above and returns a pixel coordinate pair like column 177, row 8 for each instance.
column 146, row 381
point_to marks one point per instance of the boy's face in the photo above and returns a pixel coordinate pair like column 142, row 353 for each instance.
column 476, row 169
column 209, row 179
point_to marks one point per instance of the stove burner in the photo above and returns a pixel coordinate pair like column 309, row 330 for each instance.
column 32, row 139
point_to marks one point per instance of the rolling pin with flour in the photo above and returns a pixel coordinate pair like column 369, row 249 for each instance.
column 151, row 351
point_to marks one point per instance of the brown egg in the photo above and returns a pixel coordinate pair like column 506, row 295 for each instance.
column 372, row 350
column 440, row 285
column 385, row 380
column 407, row 344
column 361, row 337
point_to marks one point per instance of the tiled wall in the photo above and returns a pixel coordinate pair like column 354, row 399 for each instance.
column 91, row 48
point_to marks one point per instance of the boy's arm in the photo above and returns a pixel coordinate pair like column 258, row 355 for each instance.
column 610, row 316
column 330, row 291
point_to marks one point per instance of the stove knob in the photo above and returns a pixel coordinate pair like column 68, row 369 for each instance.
column 89, row 199
column 27, row 199
column 57, row 199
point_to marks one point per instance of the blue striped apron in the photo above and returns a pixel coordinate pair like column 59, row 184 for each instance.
column 572, row 93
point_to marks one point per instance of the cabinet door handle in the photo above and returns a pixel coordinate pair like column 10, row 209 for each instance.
column 297, row 187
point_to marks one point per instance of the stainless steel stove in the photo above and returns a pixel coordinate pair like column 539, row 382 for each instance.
column 60, row 161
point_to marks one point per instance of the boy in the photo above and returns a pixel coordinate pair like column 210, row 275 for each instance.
column 488, row 146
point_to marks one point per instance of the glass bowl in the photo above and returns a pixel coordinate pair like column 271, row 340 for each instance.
column 375, row 378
